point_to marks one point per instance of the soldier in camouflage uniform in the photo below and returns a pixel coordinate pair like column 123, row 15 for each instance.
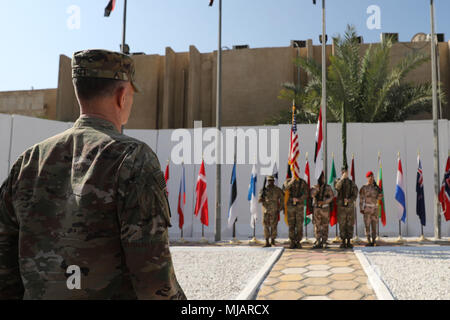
column 322, row 196
column 368, row 205
column 298, row 194
column 89, row 197
column 347, row 192
column 271, row 198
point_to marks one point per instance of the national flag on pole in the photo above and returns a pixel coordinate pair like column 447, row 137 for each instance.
column 333, row 213
column 420, row 203
column 381, row 206
column 444, row 194
column 201, row 203
column 232, row 215
column 252, row 198
column 181, row 199
column 318, row 154
column 400, row 195
column 352, row 170
column 167, row 177
column 294, row 150
column 307, row 178
column 110, row 7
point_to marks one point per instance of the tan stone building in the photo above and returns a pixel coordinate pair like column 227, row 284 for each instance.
column 179, row 88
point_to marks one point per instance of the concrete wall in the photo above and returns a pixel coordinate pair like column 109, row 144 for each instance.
column 17, row 133
column 33, row 103
column 181, row 87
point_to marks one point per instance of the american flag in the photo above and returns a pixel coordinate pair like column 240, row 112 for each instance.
column 294, row 151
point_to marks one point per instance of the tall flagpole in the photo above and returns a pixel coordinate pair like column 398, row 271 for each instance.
column 218, row 127
column 324, row 90
column 437, row 216
column 124, row 28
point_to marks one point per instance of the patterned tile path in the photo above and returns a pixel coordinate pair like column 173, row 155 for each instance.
column 331, row 274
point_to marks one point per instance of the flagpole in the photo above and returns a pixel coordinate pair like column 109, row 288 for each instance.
column 324, row 89
column 218, row 127
column 124, row 27
column 437, row 216
column 355, row 238
column 306, row 208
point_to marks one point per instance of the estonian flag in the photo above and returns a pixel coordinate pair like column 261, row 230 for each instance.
column 233, row 195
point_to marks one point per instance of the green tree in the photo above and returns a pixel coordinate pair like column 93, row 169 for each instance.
column 364, row 86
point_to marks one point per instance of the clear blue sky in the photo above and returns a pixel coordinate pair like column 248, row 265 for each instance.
column 34, row 33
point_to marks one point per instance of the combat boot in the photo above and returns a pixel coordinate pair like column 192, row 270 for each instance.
column 349, row 244
column 317, row 244
column 267, row 244
column 292, row 245
column 323, row 244
column 298, row 245
column 343, row 244
column 273, row 241
column 369, row 242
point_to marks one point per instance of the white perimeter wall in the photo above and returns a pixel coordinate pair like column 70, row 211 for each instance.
column 17, row 133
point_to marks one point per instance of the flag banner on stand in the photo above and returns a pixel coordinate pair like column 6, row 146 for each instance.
column 181, row 199
column 252, row 198
column 400, row 195
column 201, row 203
column 420, row 202
column 333, row 204
column 444, row 195
column 381, row 206
column 232, row 215
column 294, row 150
column 307, row 178
column 352, row 171
column 167, row 177
column 318, row 154
column 110, row 7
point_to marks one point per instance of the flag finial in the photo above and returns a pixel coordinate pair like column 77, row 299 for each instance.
column 353, row 156
column 306, row 156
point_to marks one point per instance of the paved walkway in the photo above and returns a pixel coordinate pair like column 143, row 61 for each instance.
column 331, row 274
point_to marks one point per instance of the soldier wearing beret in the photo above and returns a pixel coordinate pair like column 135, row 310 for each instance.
column 271, row 198
column 347, row 192
column 89, row 199
column 369, row 194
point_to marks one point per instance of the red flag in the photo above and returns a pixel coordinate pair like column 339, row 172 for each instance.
column 201, row 203
column 166, row 177
column 181, row 200
column 307, row 178
column 333, row 214
column 444, row 194
column 110, row 7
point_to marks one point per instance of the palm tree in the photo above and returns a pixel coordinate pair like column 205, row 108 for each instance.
column 364, row 87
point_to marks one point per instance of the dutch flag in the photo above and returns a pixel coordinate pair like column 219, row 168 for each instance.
column 400, row 193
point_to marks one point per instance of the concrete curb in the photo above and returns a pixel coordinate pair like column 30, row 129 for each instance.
column 249, row 292
column 378, row 285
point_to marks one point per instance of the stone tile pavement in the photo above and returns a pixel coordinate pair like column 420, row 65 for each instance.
column 329, row 274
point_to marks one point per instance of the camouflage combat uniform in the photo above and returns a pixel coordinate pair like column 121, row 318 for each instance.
column 89, row 197
column 271, row 199
column 321, row 214
column 297, row 188
column 346, row 189
column 368, row 203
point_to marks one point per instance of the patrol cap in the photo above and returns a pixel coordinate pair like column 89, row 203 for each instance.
column 270, row 178
column 104, row 64
column 369, row 173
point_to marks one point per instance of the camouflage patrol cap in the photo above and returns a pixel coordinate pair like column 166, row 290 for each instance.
column 103, row 64
column 270, row 178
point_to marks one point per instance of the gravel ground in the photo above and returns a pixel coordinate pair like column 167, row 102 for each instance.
column 207, row 273
column 415, row 273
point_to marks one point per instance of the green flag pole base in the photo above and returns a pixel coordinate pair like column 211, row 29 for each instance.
column 234, row 241
column 423, row 239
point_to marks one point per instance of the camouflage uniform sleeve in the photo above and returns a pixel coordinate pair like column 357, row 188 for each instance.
column 362, row 197
column 305, row 191
column 260, row 197
column 11, row 286
column 329, row 195
column 338, row 184
column 144, row 217
column 354, row 192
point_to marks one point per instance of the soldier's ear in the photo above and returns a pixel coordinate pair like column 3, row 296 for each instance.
column 120, row 96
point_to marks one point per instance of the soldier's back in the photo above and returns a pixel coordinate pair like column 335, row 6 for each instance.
column 66, row 201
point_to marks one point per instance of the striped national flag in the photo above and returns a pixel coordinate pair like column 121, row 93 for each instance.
column 318, row 154
column 400, row 192
column 167, row 177
column 110, row 7
column 252, row 198
column 232, row 215
column 444, row 194
column 294, row 151
column 201, row 203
